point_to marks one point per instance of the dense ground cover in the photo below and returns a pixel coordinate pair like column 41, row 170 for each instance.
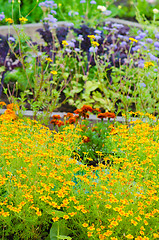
column 47, row 193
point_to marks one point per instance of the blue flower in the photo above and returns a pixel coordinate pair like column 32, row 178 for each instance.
column 92, row 2
column 107, row 12
column 2, row 16
column 142, row 85
column 97, row 31
column 123, row 44
column 157, row 35
column 152, row 57
column 80, row 38
column 156, row 44
column 136, row 48
column 53, row 12
column 149, row 40
column 141, row 63
column 93, row 49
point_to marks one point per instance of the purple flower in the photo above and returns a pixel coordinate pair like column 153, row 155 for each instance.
column 2, row 16
column 93, row 49
column 137, row 37
column 68, row 50
column 92, row 2
column 152, row 57
column 117, row 25
column 107, row 12
column 157, row 35
column 97, row 37
column 141, row 63
column 155, row 70
column 149, row 40
column 82, row 1
column 77, row 49
column 53, row 12
column 69, row 24
column 50, row 18
column 142, row 85
column 156, row 44
column 12, row 39
column 135, row 48
column 70, row 13
column 106, row 28
column 97, row 31
column 143, row 44
column 123, row 44
column 142, row 35
column 80, row 38
column 71, row 44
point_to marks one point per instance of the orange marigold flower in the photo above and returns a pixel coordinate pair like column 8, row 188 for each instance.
column 56, row 117
column 87, row 108
column 60, row 123
column 2, row 103
column 13, row 107
column 78, row 111
column 85, row 224
column 69, row 115
column 89, row 234
column 72, row 120
column 110, row 115
column 101, row 115
column 129, row 236
column 55, row 219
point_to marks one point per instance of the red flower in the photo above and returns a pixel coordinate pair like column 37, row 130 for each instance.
column 59, row 123
column 106, row 115
column 78, row 111
column 101, row 115
column 86, row 139
column 110, row 115
column 56, row 117
column 86, row 108
column 72, row 120
column 68, row 115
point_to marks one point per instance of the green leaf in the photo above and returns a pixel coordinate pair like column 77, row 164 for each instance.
column 91, row 86
column 58, row 229
column 64, row 237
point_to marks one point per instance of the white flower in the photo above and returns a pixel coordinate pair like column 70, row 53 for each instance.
column 155, row 11
column 102, row 8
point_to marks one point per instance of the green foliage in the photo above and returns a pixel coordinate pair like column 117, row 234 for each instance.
column 95, row 142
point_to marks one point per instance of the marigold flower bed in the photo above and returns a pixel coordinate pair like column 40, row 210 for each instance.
column 41, row 184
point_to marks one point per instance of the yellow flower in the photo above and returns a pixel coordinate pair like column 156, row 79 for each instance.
column 91, row 36
column 2, row 103
column 148, row 64
column 9, row 20
column 54, row 72
column 49, row 59
column 55, row 219
column 65, row 43
column 23, row 19
column 129, row 236
column 85, row 224
column 133, row 40
column 59, row 4
column 95, row 44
